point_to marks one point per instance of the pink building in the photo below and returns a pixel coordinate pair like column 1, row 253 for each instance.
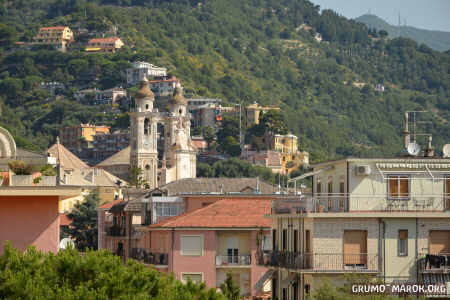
column 207, row 243
column 29, row 216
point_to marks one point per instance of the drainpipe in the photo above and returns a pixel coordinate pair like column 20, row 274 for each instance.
column 384, row 250
column 417, row 250
column 173, row 239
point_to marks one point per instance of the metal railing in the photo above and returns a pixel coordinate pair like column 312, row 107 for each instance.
column 429, row 263
column 148, row 257
column 320, row 262
column 297, row 204
column 115, row 231
column 234, row 260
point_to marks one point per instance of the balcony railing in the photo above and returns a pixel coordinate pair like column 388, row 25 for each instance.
column 434, row 263
column 153, row 258
column 320, row 262
column 233, row 260
column 115, row 231
column 297, row 204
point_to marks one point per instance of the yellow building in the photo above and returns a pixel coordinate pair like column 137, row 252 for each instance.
column 72, row 137
column 110, row 44
column 291, row 158
column 59, row 36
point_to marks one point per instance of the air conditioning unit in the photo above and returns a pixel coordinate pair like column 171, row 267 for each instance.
column 362, row 170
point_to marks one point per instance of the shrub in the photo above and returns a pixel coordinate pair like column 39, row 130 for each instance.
column 19, row 167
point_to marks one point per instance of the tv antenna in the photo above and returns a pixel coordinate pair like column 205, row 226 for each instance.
column 412, row 147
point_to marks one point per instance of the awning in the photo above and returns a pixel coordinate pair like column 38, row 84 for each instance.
column 288, row 280
column 93, row 49
column 309, row 174
column 260, row 283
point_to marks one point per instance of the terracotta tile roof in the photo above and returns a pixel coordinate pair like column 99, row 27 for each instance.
column 110, row 204
column 120, row 158
column 66, row 159
column 64, row 220
column 53, row 28
column 228, row 213
column 103, row 40
column 216, row 185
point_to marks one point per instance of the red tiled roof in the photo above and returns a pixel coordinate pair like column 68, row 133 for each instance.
column 53, row 28
column 103, row 40
column 227, row 213
column 110, row 204
column 64, row 220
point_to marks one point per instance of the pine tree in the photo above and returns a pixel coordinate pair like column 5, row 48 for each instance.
column 84, row 223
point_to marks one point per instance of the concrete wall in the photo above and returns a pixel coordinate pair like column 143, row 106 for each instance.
column 205, row 264
column 30, row 220
column 398, row 267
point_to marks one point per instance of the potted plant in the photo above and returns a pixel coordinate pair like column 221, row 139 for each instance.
column 22, row 173
column 48, row 175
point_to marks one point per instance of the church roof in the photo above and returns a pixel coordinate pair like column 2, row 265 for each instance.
column 65, row 158
column 178, row 98
column 120, row 158
column 217, row 185
column 144, row 90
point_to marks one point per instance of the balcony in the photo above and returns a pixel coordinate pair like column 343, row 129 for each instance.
column 233, row 260
column 115, row 231
column 320, row 262
column 336, row 203
column 147, row 257
column 434, row 263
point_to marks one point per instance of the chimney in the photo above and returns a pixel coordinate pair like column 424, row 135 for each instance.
column 406, row 132
column 429, row 152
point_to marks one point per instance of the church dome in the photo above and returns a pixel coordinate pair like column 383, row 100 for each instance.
column 178, row 98
column 144, row 90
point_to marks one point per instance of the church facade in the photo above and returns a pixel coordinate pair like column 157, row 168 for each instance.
column 161, row 145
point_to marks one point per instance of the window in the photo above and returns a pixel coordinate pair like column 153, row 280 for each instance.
column 284, row 296
column 319, row 188
column 274, row 240
column 284, row 239
column 295, row 240
column 191, row 245
column 398, row 187
column 167, row 209
column 330, row 193
column 342, row 194
column 195, row 277
column 402, row 242
column 266, row 243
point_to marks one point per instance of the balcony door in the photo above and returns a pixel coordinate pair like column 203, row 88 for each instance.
column 439, row 242
column 355, row 247
column 232, row 250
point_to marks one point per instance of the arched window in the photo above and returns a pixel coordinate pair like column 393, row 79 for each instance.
column 147, row 173
column 147, row 128
column 180, row 111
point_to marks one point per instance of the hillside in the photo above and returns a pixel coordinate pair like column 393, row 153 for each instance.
column 238, row 51
column 438, row 40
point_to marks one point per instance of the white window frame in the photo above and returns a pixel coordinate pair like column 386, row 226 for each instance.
column 399, row 176
column 201, row 249
column 191, row 273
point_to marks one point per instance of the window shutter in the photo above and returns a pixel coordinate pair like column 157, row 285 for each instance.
column 191, row 245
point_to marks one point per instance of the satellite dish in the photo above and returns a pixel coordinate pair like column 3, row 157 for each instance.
column 446, row 150
column 413, row 149
column 65, row 242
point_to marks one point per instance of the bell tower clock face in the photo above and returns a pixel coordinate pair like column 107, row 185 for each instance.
column 147, row 144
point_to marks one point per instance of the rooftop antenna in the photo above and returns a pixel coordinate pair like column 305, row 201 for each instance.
column 412, row 148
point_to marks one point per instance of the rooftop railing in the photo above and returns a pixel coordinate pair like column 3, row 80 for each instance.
column 115, row 231
column 297, row 204
column 434, row 263
column 233, row 260
column 320, row 262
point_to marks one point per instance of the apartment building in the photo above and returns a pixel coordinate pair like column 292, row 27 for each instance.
column 388, row 219
column 164, row 86
column 110, row 96
column 75, row 137
column 105, row 145
column 139, row 69
column 57, row 36
column 111, row 44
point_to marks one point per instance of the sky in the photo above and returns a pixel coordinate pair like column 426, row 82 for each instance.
column 424, row 14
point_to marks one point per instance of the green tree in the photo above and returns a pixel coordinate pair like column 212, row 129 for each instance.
column 273, row 122
column 208, row 135
column 136, row 177
column 230, row 289
column 84, row 222
column 95, row 275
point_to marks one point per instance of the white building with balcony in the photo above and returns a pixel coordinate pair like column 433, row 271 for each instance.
column 139, row 69
column 385, row 218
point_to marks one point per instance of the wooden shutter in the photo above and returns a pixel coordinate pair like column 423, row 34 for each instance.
column 439, row 241
column 447, row 193
column 355, row 247
column 393, row 186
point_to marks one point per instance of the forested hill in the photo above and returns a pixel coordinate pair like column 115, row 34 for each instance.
column 438, row 40
column 254, row 50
